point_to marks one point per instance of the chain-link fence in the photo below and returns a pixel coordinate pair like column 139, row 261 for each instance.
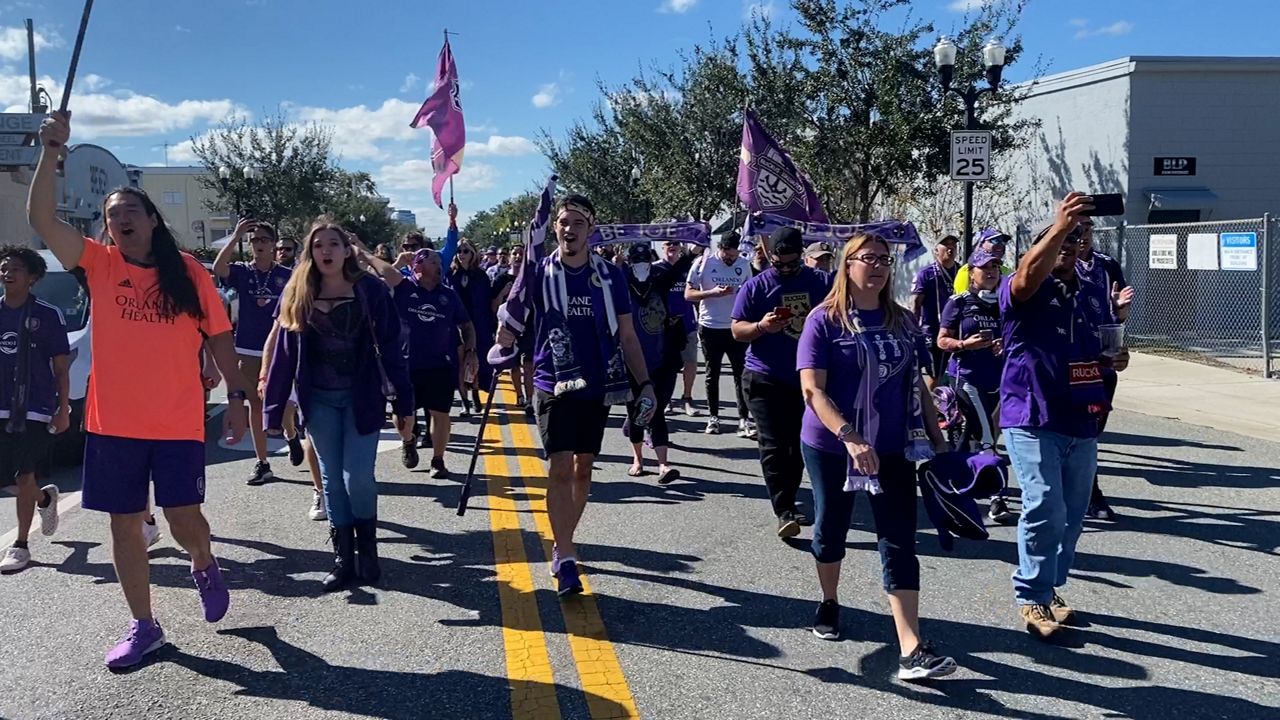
column 1204, row 292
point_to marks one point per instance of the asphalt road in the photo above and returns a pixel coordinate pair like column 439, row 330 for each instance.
column 696, row 609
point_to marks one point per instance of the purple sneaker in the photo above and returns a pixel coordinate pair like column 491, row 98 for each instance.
column 567, row 580
column 144, row 636
column 213, row 591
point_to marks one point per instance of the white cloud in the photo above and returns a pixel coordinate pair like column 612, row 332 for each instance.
column 415, row 175
column 759, row 9
column 93, row 82
column 359, row 130
column 1077, row 22
column 677, row 6
column 547, row 95
column 1115, row 29
column 483, row 128
column 410, row 82
column 13, row 43
column 181, row 29
column 502, row 145
column 964, row 6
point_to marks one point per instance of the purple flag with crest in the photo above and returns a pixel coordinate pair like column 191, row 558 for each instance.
column 442, row 112
column 768, row 179
column 514, row 313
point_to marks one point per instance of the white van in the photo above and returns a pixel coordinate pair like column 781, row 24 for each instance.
column 64, row 290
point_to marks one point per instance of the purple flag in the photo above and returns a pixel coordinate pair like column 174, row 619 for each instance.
column 768, row 179
column 442, row 111
column 514, row 313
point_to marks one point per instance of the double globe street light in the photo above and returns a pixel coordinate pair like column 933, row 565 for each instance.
column 250, row 174
column 944, row 58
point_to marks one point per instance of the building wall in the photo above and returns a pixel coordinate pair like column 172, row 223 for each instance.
column 181, row 199
column 1226, row 114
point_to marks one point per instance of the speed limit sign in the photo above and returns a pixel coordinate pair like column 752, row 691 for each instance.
column 970, row 155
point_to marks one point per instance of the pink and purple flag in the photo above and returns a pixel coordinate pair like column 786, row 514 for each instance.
column 442, row 112
column 768, row 179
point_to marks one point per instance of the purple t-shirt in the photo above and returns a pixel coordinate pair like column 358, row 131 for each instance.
column 774, row 354
column 433, row 317
column 934, row 283
column 676, row 304
column 48, row 334
column 584, row 334
column 259, row 293
column 649, row 315
column 1042, row 336
column 827, row 345
column 965, row 315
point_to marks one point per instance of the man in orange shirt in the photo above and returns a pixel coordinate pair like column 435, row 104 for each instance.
column 153, row 308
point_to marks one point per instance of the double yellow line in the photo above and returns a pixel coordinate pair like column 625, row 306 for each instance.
column 533, row 693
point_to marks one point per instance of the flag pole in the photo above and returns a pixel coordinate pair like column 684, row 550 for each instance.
column 75, row 55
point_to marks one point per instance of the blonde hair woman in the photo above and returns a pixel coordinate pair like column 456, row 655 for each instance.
column 864, row 427
column 340, row 343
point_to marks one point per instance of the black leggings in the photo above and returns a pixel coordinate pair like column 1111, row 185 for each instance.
column 664, row 384
column 715, row 345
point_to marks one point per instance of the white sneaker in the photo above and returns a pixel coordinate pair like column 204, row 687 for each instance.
column 317, row 506
column 745, row 430
column 689, row 409
column 49, row 515
column 713, row 425
column 14, row 560
column 151, row 531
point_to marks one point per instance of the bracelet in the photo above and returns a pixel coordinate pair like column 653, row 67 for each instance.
column 237, row 395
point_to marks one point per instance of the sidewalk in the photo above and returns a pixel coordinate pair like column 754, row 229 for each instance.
column 1201, row 395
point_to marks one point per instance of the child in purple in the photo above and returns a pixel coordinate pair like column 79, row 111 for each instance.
column 34, row 385
column 929, row 293
column 769, row 314
column 864, row 428
column 1052, row 404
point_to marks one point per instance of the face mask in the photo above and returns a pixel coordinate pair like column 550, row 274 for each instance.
column 988, row 296
column 640, row 271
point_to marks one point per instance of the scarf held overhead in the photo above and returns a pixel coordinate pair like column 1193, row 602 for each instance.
column 894, row 232
column 513, row 314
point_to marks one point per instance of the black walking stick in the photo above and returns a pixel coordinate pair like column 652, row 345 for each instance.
column 465, row 495
column 75, row 55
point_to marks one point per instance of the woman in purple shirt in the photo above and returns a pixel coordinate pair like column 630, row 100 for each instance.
column 864, row 430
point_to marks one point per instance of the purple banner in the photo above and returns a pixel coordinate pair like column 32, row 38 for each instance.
column 696, row 233
column 514, row 313
column 894, row 231
column 442, row 112
column 769, row 180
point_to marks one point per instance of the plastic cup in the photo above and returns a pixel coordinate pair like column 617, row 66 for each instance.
column 1112, row 338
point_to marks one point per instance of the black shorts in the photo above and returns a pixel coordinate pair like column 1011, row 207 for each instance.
column 937, row 367
column 570, row 423
column 24, row 452
column 524, row 344
column 433, row 388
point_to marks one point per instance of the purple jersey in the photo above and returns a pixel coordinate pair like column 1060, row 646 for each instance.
column 964, row 316
column 580, row 318
column 259, row 293
column 933, row 283
column 774, row 354
column 433, row 318
column 48, row 339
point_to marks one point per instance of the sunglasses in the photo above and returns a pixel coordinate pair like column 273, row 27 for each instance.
column 410, row 248
column 872, row 259
column 464, row 251
column 788, row 265
column 284, row 249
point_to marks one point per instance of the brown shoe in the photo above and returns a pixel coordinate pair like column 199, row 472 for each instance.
column 1039, row 621
column 1062, row 612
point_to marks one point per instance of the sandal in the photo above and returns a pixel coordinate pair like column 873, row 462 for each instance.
column 668, row 476
column 635, row 470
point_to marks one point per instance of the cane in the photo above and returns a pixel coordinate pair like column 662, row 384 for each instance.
column 75, row 55
column 465, row 495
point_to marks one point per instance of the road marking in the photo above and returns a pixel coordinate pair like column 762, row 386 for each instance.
column 605, row 686
column 533, row 693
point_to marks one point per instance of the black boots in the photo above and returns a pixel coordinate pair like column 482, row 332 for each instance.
column 344, row 561
column 367, row 551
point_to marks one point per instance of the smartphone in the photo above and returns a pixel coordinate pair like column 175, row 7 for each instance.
column 1106, row 204
column 986, row 334
column 784, row 312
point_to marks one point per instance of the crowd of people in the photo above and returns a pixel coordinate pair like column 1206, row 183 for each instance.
column 832, row 378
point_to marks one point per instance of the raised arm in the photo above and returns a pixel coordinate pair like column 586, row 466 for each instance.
column 222, row 263
column 1038, row 263
column 65, row 241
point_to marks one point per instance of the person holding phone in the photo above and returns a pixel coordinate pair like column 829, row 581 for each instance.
column 1052, row 404
column 769, row 315
column 713, row 283
column 993, row 241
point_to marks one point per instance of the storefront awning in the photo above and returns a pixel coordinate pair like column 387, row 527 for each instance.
column 1181, row 198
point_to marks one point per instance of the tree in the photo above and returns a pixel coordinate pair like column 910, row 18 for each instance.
column 495, row 225
column 596, row 160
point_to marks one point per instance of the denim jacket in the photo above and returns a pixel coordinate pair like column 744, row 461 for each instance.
column 291, row 366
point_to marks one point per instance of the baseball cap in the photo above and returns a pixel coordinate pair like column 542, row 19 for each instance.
column 818, row 250
column 639, row 253
column 948, row 238
column 981, row 256
column 786, row 241
column 991, row 235
column 491, row 250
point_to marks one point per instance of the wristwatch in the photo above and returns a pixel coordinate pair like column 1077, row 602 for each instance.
column 844, row 432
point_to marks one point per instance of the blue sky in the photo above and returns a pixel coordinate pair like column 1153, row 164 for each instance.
column 159, row 72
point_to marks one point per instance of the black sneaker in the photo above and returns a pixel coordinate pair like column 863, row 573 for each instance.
column 999, row 511
column 787, row 525
column 409, row 454
column 296, row 456
column 923, row 664
column 528, row 411
column 827, row 624
column 567, row 580
column 437, row 469
column 261, row 474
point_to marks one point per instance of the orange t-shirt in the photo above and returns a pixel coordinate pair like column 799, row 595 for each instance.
column 144, row 382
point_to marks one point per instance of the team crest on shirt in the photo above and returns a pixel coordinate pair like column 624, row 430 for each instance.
column 1097, row 306
column 280, row 282
column 33, row 323
column 9, row 343
column 737, row 271
column 800, row 305
column 596, row 281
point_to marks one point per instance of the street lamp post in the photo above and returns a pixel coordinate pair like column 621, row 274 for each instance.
column 944, row 57
column 250, row 175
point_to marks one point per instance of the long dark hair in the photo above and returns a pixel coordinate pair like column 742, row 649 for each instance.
column 178, row 294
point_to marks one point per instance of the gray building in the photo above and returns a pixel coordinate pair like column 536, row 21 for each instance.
column 405, row 216
column 1185, row 139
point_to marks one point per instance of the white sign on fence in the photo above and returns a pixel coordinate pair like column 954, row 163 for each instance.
column 1202, row 251
column 1239, row 250
column 1162, row 252
column 970, row 155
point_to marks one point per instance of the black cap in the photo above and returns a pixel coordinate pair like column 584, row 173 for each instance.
column 639, row 253
column 729, row 240
column 786, row 241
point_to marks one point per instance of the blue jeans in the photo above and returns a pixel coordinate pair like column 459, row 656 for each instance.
column 346, row 458
column 1055, row 472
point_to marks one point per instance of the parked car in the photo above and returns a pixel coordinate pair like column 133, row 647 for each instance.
column 70, row 294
